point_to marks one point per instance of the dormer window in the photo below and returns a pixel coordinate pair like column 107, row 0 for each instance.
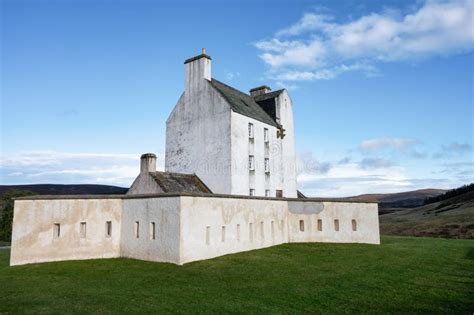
column 251, row 162
column 265, row 135
column 250, row 131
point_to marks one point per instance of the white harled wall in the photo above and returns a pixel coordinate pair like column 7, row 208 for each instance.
column 164, row 212
column 309, row 212
column 187, row 228
column 212, row 227
column 33, row 238
column 198, row 139
column 288, row 154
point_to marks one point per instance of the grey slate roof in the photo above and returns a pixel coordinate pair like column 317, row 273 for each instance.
column 242, row 103
column 177, row 183
column 267, row 96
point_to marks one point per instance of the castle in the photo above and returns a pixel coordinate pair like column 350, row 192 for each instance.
column 229, row 186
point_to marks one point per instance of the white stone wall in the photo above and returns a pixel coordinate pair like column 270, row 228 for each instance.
column 242, row 178
column 187, row 228
column 288, row 154
column 33, row 238
column 203, row 220
column 164, row 212
column 365, row 215
column 198, row 138
column 144, row 184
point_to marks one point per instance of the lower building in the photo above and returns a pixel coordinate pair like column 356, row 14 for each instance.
column 178, row 220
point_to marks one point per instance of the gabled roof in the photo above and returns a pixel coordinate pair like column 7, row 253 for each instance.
column 242, row 103
column 301, row 195
column 177, row 182
column 266, row 96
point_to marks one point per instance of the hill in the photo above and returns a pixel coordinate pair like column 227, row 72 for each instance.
column 403, row 275
column 390, row 202
column 453, row 217
column 55, row 189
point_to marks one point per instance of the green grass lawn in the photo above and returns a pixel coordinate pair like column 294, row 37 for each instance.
column 403, row 275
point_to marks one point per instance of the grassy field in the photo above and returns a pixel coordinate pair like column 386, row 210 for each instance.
column 403, row 275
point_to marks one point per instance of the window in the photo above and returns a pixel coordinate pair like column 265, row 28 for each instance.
column 336, row 225
column 57, row 230
column 152, row 230
column 137, row 229
column 223, row 234
column 354, row 225
column 252, row 192
column 251, row 232
column 267, row 192
column 267, row 165
column 108, row 228
column 251, row 162
column 265, row 135
column 83, row 230
column 279, row 193
column 302, row 225
column 250, row 130
column 320, row 225
column 208, row 235
column 238, row 232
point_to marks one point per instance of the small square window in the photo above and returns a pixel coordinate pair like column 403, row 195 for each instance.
column 250, row 130
column 108, row 229
column 336, row 225
column 223, row 234
column 208, row 235
column 266, row 138
column 137, row 229
column 267, row 165
column 251, row 232
column 354, row 225
column 83, row 230
column 302, row 225
column 267, row 192
column 251, row 162
column 152, row 231
column 252, row 192
column 320, row 225
column 57, row 230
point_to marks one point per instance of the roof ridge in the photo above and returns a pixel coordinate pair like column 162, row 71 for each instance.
column 230, row 87
column 242, row 103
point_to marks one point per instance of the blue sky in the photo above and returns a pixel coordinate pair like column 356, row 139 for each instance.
column 382, row 90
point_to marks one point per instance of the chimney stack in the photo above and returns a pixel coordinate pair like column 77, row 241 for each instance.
column 260, row 90
column 148, row 163
column 197, row 69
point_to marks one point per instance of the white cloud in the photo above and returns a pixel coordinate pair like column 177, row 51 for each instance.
column 29, row 167
column 352, row 179
column 316, row 46
column 232, row 75
column 383, row 143
column 453, row 149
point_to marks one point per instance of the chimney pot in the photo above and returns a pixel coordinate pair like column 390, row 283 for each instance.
column 148, row 163
column 204, row 51
column 260, row 90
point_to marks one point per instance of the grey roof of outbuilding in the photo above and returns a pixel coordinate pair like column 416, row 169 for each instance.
column 266, row 96
column 242, row 103
column 178, row 183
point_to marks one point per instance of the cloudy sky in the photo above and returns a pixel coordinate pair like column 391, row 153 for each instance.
column 382, row 90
